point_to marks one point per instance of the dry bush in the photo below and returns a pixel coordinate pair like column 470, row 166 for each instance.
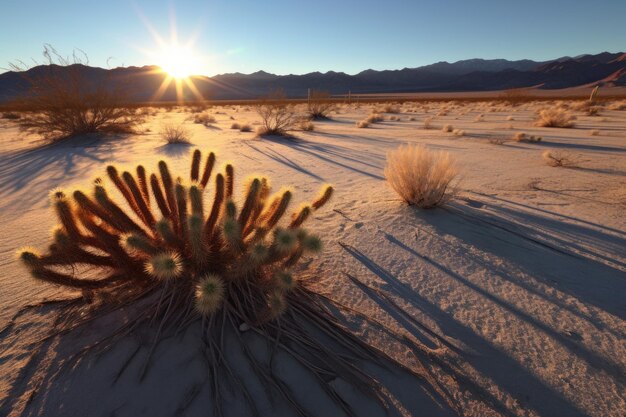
column 479, row 118
column 523, row 137
column 459, row 132
column 595, row 133
column 319, row 105
column 394, row 118
column 235, row 126
column 593, row 111
column 617, row 105
column 421, row 177
column 277, row 115
column 245, row 128
column 447, row 128
column 497, row 141
column 63, row 102
column 174, row 134
column 374, row 118
column 555, row 117
column 428, row 123
column 412, row 119
column 556, row 158
column 11, row 116
column 204, row 119
column 363, row 124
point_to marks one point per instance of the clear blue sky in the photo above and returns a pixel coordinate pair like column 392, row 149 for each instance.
column 302, row 36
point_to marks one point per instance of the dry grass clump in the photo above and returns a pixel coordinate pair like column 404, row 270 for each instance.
column 421, row 177
column 374, row 118
column 245, row 128
column 556, row 158
column 204, row 119
column 320, row 105
column 412, row 119
column 617, row 105
column 363, row 124
column 277, row 115
column 175, row 134
column 235, row 126
column 391, row 108
column 169, row 261
column 497, row 141
column 458, row 132
column 447, row 128
column 428, row 123
column 523, row 137
column 555, row 117
column 595, row 133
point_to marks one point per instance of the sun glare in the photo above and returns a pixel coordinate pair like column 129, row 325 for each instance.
column 178, row 61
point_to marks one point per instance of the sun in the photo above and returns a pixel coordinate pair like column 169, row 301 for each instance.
column 178, row 61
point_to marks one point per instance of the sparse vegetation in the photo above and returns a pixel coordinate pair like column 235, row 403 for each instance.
column 204, row 119
column 556, row 158
column 277, row 115
column 447, row 128
column 523, row 137
column 235, row 126
column 11, row 116
column 421, row 177
column 363, row 124
column 307, row 126
column 175, row 134
column 63, row 103
column 320, row 105
column 555, row 117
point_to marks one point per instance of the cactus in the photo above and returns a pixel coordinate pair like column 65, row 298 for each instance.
column 177, row 240
column 594, row 94
column 197, row 254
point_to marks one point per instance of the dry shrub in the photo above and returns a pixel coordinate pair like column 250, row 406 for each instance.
column 412, row 119
column 204, row 119
column 593, row 111
column 459, row 132
column 523, row 137
column 64, row 103
column 421, row 177
column 497, row 141
column 618, row 105
column 174, row 134
column 277, row 115
column 556, row 158
column 245, row 128
column 319, row 105
column 363, row 124
column 391, row 108
column 235, row 126
column 555, row 117
column 428, row 123
column 374, row 118
column 479, row 118
column 595, row 133
column 447, row 128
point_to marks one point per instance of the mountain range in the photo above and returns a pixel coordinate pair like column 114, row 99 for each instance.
column 141, row 83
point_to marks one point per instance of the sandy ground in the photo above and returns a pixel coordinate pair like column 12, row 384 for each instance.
column 525, row 271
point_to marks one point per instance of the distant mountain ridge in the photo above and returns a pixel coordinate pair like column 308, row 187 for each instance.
column 467, row 75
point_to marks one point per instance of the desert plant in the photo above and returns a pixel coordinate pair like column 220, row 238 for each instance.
column 374, row 118
column 204, row 119
column 428, row 123
column 63, row 102
column 595, row 132
column 174, row 134
column 277, row 115
column 421, row 177
column 245, row 128
column 556, row 158
column 221, row 266
column 235, row 126
column 497, row 141
column 319, row 105
column 523, row 137
column 458, row 132
column 447, row 128
column 363, row 124
column 555, row 117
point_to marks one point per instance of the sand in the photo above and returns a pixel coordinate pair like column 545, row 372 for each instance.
column 525, row 271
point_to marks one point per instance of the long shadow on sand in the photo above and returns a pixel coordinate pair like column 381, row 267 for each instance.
column 488, row 360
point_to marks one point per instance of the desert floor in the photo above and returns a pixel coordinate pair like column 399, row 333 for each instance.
column 524, row 272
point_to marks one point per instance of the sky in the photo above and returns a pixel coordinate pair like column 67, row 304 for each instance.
column 296, row 37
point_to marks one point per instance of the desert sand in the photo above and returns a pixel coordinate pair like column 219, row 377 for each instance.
column 523, row 273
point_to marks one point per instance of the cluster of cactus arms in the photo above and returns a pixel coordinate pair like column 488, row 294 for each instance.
column 224, row 252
